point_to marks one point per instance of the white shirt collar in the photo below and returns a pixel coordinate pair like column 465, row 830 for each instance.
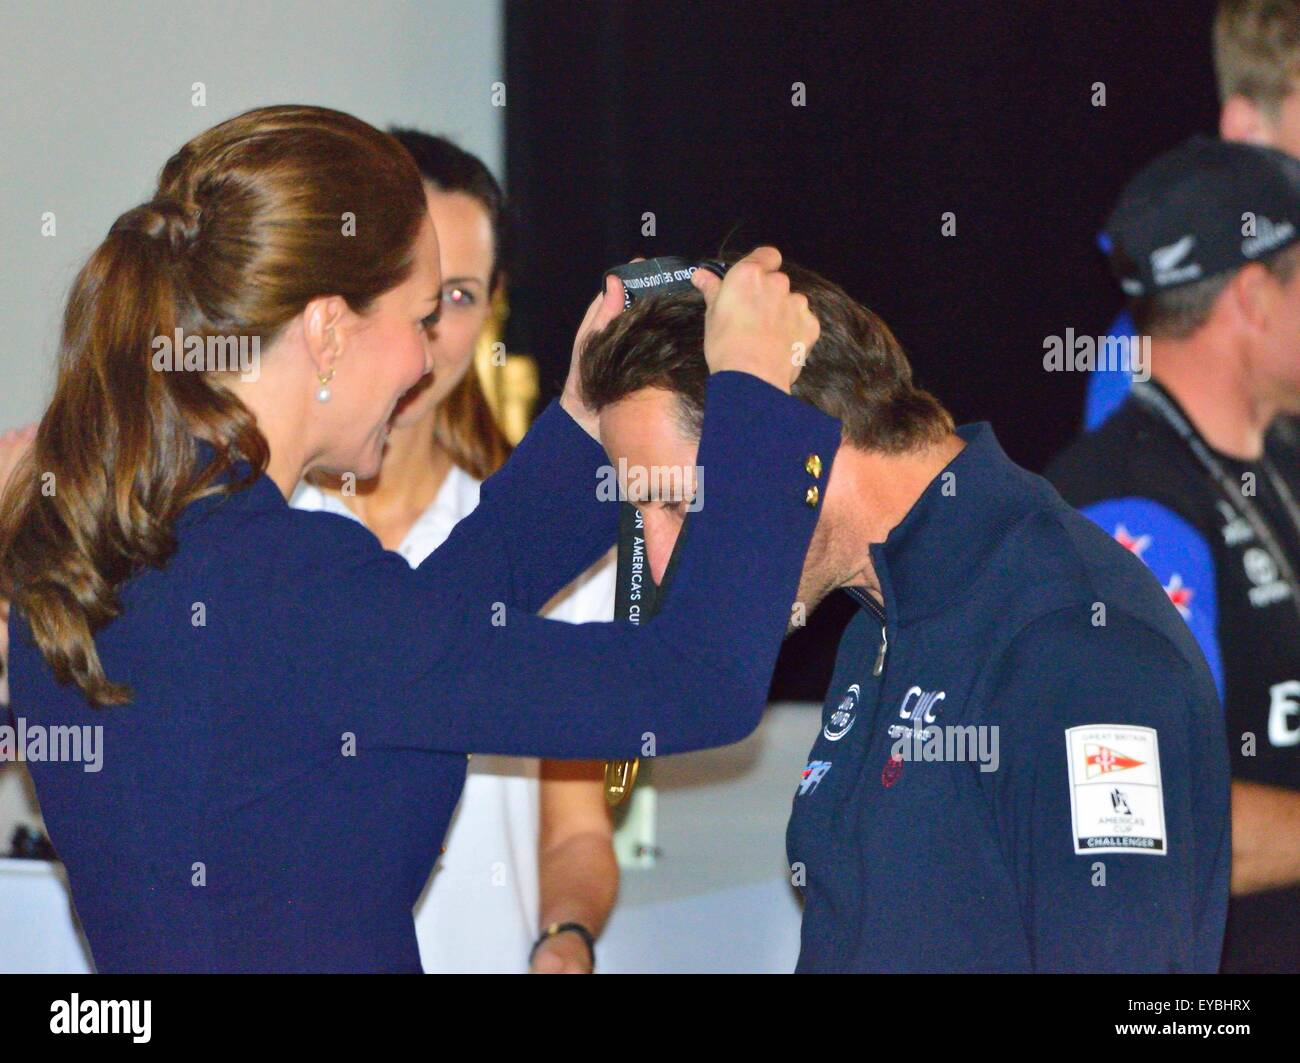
column 455, row 499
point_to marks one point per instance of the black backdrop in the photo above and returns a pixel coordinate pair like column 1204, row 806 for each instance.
column 913, row 108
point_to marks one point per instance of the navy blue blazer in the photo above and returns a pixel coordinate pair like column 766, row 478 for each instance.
column 274, row 797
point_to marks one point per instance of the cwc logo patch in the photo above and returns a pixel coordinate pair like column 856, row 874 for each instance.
column 1117, row 801
column 919, row 709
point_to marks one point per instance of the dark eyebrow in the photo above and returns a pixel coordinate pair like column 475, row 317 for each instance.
column 464, row 280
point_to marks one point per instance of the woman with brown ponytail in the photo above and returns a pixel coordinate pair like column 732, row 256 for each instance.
column 283, row 708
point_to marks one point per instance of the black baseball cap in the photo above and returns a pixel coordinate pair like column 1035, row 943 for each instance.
column 1207, row 207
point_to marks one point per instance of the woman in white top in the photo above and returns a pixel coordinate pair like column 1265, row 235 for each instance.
column 530, row 846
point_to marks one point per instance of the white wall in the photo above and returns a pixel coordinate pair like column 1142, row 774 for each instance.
column 94, row 97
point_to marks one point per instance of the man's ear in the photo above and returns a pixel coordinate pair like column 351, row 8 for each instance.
column 322, row 326
column 1255, row 293
column 1243, row 120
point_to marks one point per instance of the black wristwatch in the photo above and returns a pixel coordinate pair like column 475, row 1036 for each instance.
column 561, row 928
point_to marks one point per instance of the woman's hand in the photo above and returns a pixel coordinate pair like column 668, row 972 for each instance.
column 754, row 323
column 13, row 445
column 603, row 309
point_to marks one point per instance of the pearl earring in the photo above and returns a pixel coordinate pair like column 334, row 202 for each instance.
column 323, row 393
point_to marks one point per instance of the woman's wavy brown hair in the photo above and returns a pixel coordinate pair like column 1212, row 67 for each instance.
column 466, row 429
column 250, row 221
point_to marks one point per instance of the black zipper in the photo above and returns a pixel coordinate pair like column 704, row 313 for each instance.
column 869, row 603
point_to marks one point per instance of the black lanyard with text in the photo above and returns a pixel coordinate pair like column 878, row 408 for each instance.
column 1155, row 400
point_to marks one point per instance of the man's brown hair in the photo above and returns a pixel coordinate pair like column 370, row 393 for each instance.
column 1257, row 50
column 856, row 371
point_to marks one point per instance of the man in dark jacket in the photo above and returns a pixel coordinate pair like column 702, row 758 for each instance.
column 1193, row 476
column 1020, row 763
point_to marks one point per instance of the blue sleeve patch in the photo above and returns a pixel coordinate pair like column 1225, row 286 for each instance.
column 1180, row 558
column 1108, row 387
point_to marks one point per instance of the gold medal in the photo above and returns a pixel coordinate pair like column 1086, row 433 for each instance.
column 620, row 777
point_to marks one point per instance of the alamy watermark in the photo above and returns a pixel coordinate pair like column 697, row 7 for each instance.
column 651, row 483
column 179, row 353
column 920, row 739
column 91, row 1016
column 1087, row 354
column 69, row 744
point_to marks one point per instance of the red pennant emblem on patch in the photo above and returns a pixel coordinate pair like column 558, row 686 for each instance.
column 1102, row 759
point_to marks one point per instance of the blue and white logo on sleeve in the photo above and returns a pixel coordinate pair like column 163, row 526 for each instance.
column 812, row 775
column 845, row 715
column 1180, row 558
